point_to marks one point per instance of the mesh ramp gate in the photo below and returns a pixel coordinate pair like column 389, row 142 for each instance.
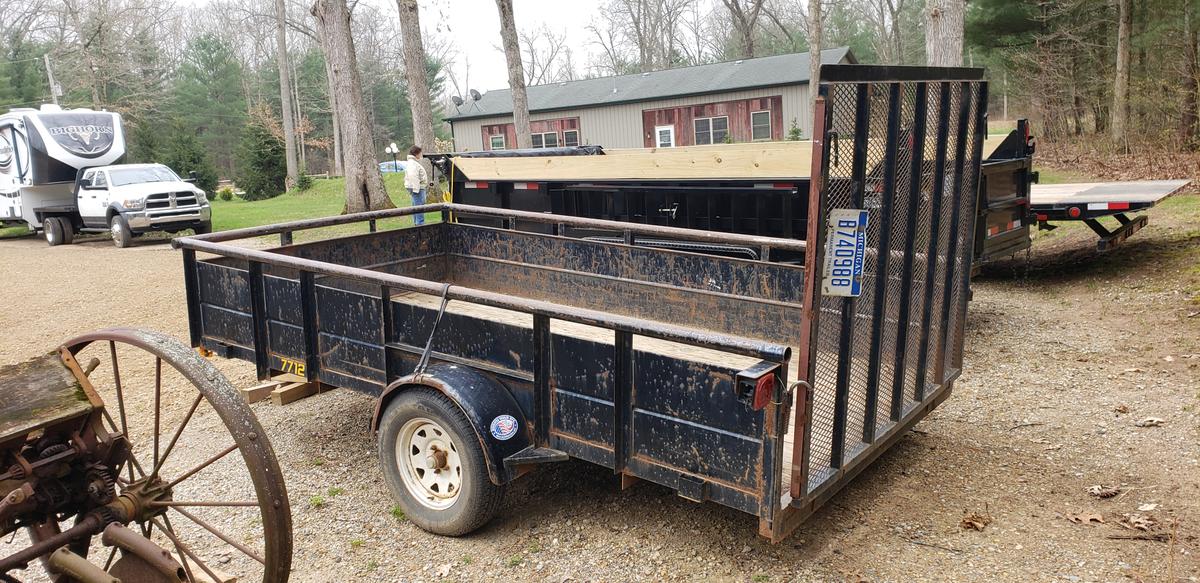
column 904, row 144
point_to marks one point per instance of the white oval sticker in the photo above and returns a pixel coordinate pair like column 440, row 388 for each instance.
column 504, row 427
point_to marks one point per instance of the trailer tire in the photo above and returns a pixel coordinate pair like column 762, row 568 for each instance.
column 53, row 231
column 122, row 236
column 418, row 420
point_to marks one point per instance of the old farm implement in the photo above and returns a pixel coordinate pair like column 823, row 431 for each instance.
column 497, row 339
column 149, row 455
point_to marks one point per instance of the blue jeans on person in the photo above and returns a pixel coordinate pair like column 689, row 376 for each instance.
column 418, row 198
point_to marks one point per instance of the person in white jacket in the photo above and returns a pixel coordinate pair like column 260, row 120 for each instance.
column 415, row 180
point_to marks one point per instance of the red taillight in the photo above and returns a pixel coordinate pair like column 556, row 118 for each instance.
column 1043, row 218
column 764, row 389
column 1074, row 212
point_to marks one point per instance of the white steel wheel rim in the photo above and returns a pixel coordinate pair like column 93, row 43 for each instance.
column 429, row 463
column 115, row 228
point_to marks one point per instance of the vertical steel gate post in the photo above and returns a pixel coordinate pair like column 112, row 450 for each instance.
column 850, row 305
column 910, row 226
column 939, row 182
column 883, row 251
column 964, row 109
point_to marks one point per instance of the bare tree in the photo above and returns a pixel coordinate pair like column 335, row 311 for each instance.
column 545, row 56
column 651, row 28
column 743, row 14
column 516, row 77
column 364, row 185
column 815, row 29
column 414, row 74
column 1120, row 106
column 285, row 97
column 887, row 39
column 944, row 32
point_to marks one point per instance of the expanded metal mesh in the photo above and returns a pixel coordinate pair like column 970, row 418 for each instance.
column 913, row 276
column 962, row 258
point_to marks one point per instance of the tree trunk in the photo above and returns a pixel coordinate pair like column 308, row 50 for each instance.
column 364, row 185
column 516, row 74
column 1191, row 83
column 815, row 30
column 1120, row 106
column 944, row 32
column 414, row 74
column 285, row 94
column 335, row 162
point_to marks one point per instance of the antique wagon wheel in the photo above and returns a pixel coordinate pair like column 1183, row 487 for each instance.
column 221, row 515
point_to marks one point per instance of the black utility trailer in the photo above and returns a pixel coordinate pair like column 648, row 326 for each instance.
column 497, row 340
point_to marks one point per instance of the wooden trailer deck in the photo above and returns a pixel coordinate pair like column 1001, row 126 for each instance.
column 747, row 161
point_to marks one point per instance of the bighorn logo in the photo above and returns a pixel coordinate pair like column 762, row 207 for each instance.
column 88, row 137
column 6, row 151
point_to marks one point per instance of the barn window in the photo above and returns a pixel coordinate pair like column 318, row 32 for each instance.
column 760, row 125
column 571, row 138
column 545, row 140
column 711, row 130
column 497, row 142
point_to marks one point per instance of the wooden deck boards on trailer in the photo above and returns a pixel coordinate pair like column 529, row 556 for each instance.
column 1139, row 192
column 746, row 161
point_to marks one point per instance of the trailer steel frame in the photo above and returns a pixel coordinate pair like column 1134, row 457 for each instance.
column 774, row 436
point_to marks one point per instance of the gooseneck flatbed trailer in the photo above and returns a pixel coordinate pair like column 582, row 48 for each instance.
column 1090, row 202
column 496, row 339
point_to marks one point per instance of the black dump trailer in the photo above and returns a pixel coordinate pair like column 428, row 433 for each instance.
column 685, row 187
column 496, row 339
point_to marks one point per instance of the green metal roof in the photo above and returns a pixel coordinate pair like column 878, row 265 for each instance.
column 790, row 69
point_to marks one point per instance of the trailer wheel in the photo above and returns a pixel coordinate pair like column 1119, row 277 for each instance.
column 53, row 231
column 434, row 464
column 121, row 234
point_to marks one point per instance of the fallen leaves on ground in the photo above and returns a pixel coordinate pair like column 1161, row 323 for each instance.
column 1102, row 491
column 1135, row 521
column 1121, row 409
column 975, row 521
column 1086, row 518
column 1150, row 422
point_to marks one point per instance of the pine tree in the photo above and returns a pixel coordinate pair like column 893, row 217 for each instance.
column 262, row 168
column 209, row 95
column 184, row 154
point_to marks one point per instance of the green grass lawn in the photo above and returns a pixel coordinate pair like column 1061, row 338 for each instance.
column 325, row 198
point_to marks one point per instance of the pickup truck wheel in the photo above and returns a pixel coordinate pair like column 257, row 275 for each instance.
column 68, row 230
column 121, row 234
column 434, row 465
column 203, row 228
column 53, row 231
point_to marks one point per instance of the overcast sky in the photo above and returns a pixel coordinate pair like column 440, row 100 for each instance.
column 474, row 26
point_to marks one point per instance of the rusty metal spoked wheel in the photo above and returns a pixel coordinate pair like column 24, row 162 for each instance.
column 202, row 479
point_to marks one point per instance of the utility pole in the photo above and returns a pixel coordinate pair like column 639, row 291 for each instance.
column 50, row 77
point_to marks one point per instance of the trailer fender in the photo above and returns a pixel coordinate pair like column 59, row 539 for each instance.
column 487, row 403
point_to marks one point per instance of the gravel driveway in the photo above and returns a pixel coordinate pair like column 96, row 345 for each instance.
column 1065, row 355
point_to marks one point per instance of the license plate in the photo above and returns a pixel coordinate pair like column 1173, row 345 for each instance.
column 846, row 243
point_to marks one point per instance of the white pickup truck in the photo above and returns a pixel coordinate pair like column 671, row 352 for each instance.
column 131, row 199
column 57, row 176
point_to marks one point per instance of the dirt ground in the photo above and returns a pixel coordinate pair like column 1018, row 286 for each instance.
column 1065, row 354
